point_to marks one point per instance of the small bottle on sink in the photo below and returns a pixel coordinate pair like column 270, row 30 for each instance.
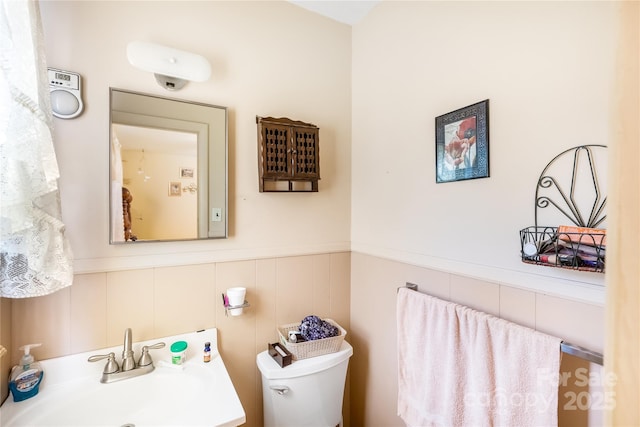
column 207, row 352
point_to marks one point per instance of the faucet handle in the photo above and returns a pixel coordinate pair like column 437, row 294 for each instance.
column 145, row 358
column 111, row 366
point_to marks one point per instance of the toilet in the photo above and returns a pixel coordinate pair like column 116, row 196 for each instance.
column 308, row 392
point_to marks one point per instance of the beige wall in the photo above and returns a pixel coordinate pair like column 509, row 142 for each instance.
column 374, row 282
column 267, row 58
column 548, row 70
column 95, row 311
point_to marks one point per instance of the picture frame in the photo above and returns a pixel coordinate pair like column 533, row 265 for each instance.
column 175, row 188
column 186, row 173
column 462, row 143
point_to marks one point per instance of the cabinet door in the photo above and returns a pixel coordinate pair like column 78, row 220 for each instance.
column 305, row 162
column 276, row 151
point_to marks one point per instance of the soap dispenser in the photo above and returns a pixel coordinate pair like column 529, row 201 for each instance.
column 25, row 378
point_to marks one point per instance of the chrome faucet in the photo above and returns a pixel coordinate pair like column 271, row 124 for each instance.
column 129, row 369
column 128, row 362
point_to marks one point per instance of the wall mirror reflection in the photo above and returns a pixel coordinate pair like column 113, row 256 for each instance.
column 168, row 169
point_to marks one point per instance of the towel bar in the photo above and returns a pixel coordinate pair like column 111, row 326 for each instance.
column 565, row 347
column 582, row 353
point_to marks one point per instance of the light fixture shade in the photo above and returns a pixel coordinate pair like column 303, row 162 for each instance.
column 167, row 61
column 65, row 105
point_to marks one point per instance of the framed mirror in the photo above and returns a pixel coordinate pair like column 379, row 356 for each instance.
column 168, row 169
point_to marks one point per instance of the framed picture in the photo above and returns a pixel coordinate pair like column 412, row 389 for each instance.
column 462, row 143
column 175, row 189
column 186, row 172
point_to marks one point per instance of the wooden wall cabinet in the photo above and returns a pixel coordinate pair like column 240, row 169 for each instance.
column 288, row 155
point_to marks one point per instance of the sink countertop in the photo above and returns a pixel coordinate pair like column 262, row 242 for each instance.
column 71, row 394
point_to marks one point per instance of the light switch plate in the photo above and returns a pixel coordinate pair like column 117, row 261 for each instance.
column 216, row 214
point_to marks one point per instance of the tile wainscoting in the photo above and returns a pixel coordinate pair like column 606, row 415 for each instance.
column 374, row 282
column 355, row 289
column 163, row 301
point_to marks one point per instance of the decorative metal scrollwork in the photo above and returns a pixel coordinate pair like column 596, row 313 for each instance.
column 566, row 203
column 579, row 200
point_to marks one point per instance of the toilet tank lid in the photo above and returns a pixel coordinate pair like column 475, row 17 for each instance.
column 271, row 370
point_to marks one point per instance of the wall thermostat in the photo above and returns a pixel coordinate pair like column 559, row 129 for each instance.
column 66, row 93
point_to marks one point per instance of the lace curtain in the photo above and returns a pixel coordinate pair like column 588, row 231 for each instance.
column 35, row 258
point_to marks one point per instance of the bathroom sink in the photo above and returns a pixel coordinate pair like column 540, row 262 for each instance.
column 71, row 393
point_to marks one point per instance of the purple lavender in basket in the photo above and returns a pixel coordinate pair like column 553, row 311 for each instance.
column 314, row 328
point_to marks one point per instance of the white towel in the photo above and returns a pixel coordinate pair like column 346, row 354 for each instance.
column 461, row 367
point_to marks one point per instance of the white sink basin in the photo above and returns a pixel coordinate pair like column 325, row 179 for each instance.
column 71, row 393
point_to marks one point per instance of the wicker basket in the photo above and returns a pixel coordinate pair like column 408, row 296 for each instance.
column 306, row 349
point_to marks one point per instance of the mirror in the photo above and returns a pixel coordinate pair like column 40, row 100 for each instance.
column 168, row 169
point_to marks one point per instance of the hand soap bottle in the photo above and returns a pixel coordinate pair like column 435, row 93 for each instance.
column 25, row 378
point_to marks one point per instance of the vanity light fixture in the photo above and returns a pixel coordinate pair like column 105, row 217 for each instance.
column 171, row 67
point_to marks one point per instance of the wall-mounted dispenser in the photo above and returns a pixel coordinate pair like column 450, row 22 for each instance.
column 65, row 88
column 171, row 67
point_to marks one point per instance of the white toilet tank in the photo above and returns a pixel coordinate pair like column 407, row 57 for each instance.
column 308, row 392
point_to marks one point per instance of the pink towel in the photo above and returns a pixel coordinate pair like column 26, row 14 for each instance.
column 461, row 367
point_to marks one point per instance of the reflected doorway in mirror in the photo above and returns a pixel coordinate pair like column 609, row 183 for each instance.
column 185, row 143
